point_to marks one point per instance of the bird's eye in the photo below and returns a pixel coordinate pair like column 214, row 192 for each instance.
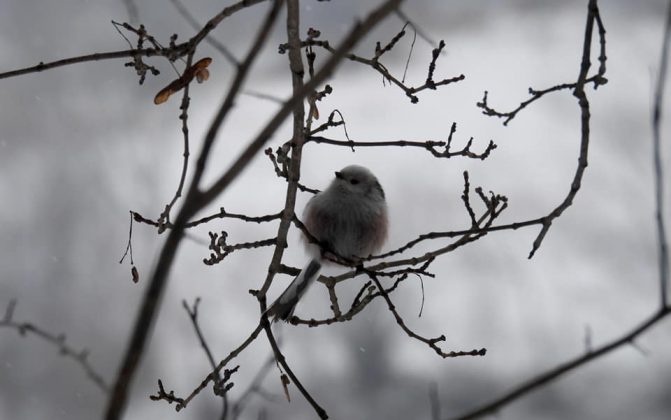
column 353, row 181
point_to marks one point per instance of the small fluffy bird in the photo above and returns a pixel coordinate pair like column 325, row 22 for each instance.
column 348, row 219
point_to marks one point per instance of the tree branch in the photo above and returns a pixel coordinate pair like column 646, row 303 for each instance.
column 58, row 340
column 192, row 204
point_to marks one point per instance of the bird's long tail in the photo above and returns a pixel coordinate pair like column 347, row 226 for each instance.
column 284, row 306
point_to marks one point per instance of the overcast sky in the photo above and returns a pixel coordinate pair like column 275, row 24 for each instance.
column 82, row 145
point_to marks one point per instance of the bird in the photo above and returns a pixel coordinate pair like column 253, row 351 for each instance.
column 349, row 222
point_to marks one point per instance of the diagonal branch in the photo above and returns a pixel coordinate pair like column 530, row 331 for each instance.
column 431, row 342
column 564, row 368
column 58, row 340
column 192, row 204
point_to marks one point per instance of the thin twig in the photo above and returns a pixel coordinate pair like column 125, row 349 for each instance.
column 223, row 214
column 58, row 340
column 410, row 91
column 184, row 116
column 193, row 316
column 177, row 51
column 431, row 342
column 597, row 80
column 209, row 39
column 129, row 245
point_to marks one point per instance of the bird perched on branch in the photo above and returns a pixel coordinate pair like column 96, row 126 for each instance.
column 348, row 220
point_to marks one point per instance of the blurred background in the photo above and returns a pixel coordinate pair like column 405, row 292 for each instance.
column 82, row 145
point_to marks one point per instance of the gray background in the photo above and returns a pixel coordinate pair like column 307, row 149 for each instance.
column 82, row 145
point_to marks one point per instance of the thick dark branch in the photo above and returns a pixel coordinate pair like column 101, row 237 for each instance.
column 192, row 204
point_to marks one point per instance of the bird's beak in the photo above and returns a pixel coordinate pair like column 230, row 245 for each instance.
column 338, row 175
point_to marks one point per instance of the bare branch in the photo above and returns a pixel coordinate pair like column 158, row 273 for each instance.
column 192, row 204
column 579, row 92
column 57, row 340
column 279, row 357
column 373, row 62
column 429, row 145
column 562, row 369
column 184, row 116
column 583, row 103
column 209, row 39
column 212, row 376
column 223, row 214
column 431, row 342
column 535, row 95
column 219, row 381
column 171, row 53
column 221, row 249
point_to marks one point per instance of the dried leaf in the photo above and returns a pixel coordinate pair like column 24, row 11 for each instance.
column 198, row 70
